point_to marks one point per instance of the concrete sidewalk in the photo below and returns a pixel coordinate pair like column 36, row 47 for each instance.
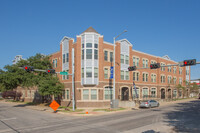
column 87, row 112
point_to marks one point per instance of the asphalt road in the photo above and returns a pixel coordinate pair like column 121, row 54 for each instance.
column 180, row 117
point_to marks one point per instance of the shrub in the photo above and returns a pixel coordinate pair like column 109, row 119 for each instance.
column 12, row 94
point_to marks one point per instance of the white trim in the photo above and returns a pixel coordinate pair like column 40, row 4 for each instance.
column 153, row 55
column 125, row 40
column 108, row 43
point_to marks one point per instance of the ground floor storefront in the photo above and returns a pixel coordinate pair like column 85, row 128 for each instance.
column 100, row 96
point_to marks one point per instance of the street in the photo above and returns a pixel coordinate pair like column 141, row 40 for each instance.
column 179, row 117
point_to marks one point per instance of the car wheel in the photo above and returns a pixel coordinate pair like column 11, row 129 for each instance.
column 150, row 106
column 158, row 105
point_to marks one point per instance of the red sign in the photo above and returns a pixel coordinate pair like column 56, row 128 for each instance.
column 54, row 105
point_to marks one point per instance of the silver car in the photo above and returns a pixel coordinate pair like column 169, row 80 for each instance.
column 149, row 104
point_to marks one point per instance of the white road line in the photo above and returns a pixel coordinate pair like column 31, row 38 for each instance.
column 5, row 130
column 8, row 119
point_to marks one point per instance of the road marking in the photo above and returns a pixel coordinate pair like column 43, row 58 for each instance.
column 5, row 130
column 8, row 119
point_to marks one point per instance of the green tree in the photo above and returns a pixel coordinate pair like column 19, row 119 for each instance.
column 14, row 76
column 50, row 86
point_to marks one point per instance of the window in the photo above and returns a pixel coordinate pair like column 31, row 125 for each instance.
column 153, row 62
column 95, row 45
column 89, row 94
column 162, row 79
column 180, row 81
column 108, row 93
column 127, row 60
column 127, row 75
column 85, row 94
column 122, row 58
column 65, row 76
column 134, row 61
column 187, row 72
column 144, row 63
column 145, row 77
column 83, row 54
column 162, row 68
column 66, row 94
column 83, row 45
column 95, row 72
column 67, row 57
column 111, row 56
column 106, row 73
column 174, row 93
column 32, row 93
column 153, row 92
column 93, row 94
column 88, row 53
column 169, row 69
column 135, row 76
column 134, row 93
column 95, row 54
column 169, row 79
column 145, row 92
column 153, row 78
column 106, row 55
column 88, row 72
column 174, row 80
column 82, row 72
column 63, row 58
column 122, row 75
column 180, row 71
column 88, row 45
column 174, row 70
column 55, row 63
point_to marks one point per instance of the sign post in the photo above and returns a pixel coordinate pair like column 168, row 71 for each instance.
column 111, row 72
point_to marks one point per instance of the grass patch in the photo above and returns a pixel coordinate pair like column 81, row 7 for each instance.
column 68, row 111
column 32, row 103
column 109, row 110
column 14, row 101
column 1, row 98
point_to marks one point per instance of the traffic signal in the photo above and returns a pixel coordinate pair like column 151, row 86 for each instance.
column 132, row 68
column 189, row 62
column 51, row 71
column 28, row 68
column 155, row 66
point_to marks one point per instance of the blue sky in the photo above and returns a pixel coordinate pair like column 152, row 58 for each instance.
column 157, row 27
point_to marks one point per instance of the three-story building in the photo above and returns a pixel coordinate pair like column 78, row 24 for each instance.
column 93, row 58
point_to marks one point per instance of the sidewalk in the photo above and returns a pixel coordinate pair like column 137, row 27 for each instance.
column 87, row 112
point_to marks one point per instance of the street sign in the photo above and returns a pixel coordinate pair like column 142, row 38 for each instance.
column 63, row 73
column 54, row 105
column 111, row 72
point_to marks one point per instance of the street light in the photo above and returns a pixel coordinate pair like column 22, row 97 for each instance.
column 114, row 64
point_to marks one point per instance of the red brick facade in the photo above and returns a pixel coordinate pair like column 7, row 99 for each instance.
column 102, row 82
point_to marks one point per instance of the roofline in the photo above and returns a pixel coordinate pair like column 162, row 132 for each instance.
column 108, row 43
column 125, row 40
column 54, row 53
column 65, row 37
column 154, row 56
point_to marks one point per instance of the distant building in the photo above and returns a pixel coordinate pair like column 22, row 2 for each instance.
column 17, row 59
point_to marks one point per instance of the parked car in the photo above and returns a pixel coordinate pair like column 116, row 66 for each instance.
column 149, row 104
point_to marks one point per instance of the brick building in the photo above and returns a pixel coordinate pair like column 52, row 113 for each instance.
column 93, row 59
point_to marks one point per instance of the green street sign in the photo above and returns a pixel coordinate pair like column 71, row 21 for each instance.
column 63, row 73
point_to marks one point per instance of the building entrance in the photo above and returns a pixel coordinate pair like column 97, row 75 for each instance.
column 162, row 93
column 125, row 94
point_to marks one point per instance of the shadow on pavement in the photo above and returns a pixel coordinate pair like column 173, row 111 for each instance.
column 185, row 117
column 150, row 131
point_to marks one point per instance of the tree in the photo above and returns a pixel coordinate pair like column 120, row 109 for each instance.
column 194, row 87
column 13, row 76
column 50, row 86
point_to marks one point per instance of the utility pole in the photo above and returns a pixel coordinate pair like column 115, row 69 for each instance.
column 73, row 89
